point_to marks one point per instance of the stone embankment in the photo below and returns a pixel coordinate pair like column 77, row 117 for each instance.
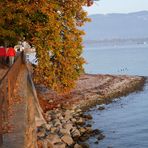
column 66, row 125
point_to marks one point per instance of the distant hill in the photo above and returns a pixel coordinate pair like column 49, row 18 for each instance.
column 117, row 26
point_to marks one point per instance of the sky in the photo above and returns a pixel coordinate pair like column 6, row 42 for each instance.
column 117, row 6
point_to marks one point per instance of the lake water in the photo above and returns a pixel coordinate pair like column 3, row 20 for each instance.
column 117, row 60
column 125, row 121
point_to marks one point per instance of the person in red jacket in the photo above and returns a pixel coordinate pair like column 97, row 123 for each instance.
column 11, row 54
column 2, row 54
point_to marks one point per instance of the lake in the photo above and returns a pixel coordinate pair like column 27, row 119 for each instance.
column 125, row 121
column 117, row 60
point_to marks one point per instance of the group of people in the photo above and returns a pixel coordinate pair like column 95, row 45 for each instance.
column 7, row 55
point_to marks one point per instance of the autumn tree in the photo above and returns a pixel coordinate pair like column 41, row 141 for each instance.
column 52, row 26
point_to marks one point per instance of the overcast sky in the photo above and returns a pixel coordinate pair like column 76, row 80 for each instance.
column 117, row 6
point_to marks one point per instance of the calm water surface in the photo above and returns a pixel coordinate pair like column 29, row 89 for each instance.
column 125, row 121
column 117, row 60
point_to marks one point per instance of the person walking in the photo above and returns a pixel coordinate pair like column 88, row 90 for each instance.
column 2, row 55
column 11, row 54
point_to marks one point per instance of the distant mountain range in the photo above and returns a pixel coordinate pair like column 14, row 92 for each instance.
column 117, row 26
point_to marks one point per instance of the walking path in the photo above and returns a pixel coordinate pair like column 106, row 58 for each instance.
column 17, row 117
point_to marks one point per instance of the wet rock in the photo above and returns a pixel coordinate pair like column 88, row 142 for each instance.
column 84, row 137
column 89, row 117
column 96, row 142
column 67, row 139
column 96, row 131
column 100, row 136
column 80, row 121
column 88, row 130
column 84, row 145
column 82, row 130
column 88, row 125
column 109, row 147
column 101, row 108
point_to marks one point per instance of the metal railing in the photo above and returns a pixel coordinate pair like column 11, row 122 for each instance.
column 7, row 85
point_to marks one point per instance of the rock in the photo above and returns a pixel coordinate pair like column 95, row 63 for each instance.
column 73, row 120
column 80, row 121
column 76, row 133
column 82, row 130
column 85, row 145
column 40, row 143
column 84, row 137
column 109, row 147
column 100, row 136
column 63, row 121
column 67, row 115
column 50, row 101
column 101, row 108
column 68, row 126
column 60, row 145
column 64, row 131
column 56, row 122
column 41, row 132
column 61, row 118
column 67, row 139
column 96, row 131
column 53, row 117
column 48, row 118
column 54, row 129
column 78, row 110
column 49, row 144
column 58, row 115
column 53, row 138
column 45, row 144
column 89, row 117
column 96, row 142
column 77, row 146
column 88, row 130
column 48, row 126
column 88, row 125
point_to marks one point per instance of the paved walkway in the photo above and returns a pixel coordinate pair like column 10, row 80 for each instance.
column 3, row 71
column 15, row 139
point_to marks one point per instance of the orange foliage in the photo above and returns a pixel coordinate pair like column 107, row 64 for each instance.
column 52, row 26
